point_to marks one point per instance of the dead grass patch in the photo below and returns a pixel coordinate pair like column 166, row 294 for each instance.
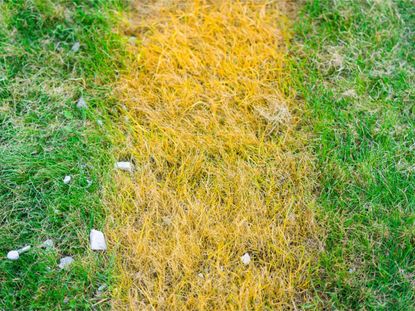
column 220, row 168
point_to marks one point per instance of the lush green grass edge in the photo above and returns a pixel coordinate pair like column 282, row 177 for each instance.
column 43, row 137
column 353, row 63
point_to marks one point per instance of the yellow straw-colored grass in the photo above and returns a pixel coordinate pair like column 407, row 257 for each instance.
column 220, row 168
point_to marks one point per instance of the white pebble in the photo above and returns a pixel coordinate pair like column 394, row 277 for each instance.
column 65, row 261
column 81, row 103
column 47, row 244
column 100, row 123
column 101, row 290
column 67, row 179
column 132, row 40
column 246, row 259
column 88, row 183
column 124, row 166
column 13, row 255
column 97, row 240
column 76, row 46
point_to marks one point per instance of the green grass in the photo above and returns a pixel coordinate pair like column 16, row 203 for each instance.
column 43, row 137
column 356, row 68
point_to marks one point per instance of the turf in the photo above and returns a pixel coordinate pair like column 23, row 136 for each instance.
column 43, row 137
column 217, row 111
column 221, row 167
column 356, row 63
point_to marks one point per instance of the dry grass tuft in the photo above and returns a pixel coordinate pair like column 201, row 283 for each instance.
column 220, row 168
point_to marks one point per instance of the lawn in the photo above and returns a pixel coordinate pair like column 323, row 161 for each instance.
column 43, row 138
column 355, row 60
column 273, row 148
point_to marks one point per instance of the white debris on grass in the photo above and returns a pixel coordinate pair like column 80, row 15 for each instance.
column 97, row 240
column 349, row 93
column 101, row 290
column 76, row 46
column 81, row 103
column 47, row 244
column 124, row 166
column 88, row 183
column 13, row 255
column 67, row 179
column 246, row 259
column 132, row 40
column 100, row 123
column 24, row 249
column 65, row 262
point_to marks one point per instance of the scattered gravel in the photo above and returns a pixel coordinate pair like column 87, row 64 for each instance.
column 101, row 290
column 97, row 240
column 246, row 259
column 132, row 40
column 124, row 166
column 65, row 262
column 76, row 46
column 13, row 255
column 67, row 179
column 47, row 244
column 81, row 103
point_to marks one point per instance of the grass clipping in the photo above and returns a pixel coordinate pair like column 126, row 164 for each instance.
column 220, row 170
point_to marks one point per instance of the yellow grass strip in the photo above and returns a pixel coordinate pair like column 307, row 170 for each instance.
column 220, row 168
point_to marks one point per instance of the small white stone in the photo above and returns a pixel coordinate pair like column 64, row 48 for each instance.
column 124, row 166
column 65, row 261
column 76, row 46
column 101, row 290
column 47, row 244
column 132, row 40
column 97, row 240
column 67, row 179
column 81, row 103
column 13, row 255
column 100, row 123
column 246, row 259
column 88, row 183
column 200, row 275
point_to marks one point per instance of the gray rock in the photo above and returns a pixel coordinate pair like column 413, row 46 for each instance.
column 65, row 262
column 67, row 179
column 13, row 255
column 81, row 103
column 124, row 166
column 47, row 244
column 76, row 46
column 246, row 259
column 97, row 240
